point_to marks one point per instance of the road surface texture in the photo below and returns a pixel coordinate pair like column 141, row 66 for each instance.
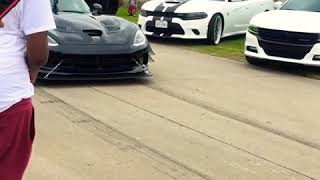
column 199, row 117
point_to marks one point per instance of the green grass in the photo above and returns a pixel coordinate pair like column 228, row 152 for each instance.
column 231, row 48
column 123, row 12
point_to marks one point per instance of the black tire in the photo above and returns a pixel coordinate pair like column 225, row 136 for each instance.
column 255, row 61
column 214, row 35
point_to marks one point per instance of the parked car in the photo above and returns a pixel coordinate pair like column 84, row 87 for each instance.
column 108, row 6
column 86, row 46
column 290, row 34
column 199, row 19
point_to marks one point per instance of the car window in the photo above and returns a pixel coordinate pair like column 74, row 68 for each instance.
column 78, row 6
column 299, row 5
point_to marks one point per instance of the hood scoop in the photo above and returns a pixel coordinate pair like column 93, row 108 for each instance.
column 111, row 24
column 93, row 32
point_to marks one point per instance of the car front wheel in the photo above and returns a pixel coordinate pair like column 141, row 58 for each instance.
column 215, row 29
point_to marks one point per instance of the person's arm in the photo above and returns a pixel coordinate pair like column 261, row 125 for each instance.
column 35, row 22
column 37, row 53
column 1, row 24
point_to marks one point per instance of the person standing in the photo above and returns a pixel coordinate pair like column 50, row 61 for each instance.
column 132, row 7
column 23, row 50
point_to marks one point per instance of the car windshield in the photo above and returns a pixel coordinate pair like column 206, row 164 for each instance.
column 75, row 6
column 300, row 5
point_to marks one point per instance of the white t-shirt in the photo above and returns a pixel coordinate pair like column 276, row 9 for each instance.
column 28, row 17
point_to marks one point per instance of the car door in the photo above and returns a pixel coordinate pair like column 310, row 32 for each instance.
column 254, row 7
column 238, row 15
column 258, row 6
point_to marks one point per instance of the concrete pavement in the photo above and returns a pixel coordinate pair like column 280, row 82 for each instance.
column 200, row 117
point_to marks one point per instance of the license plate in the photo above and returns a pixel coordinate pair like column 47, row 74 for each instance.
column 161, row 24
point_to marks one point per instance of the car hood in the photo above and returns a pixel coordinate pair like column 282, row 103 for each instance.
column 73, row 28
column 183, row 6
column 287, row 20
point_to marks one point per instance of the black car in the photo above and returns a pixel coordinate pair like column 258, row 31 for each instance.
column 86, row 46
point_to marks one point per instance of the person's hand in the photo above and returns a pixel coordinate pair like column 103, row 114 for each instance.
column 1, row 24
column 33, row 76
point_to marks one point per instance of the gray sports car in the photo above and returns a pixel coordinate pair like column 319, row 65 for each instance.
column 86, row 45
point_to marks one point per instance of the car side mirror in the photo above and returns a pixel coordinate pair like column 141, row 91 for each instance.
column 277, row 5
column 96, row 9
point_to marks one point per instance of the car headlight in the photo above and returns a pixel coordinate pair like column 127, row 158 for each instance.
column 143, row 13
column 52, row 42
column 139, row 39
column 192, row 16
column 253, row 30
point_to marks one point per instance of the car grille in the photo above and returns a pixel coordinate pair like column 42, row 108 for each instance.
column 161, row 14
column 96, row 63
column 288, row 37
column 294, row 45
column 173, row 28
column 285, row 51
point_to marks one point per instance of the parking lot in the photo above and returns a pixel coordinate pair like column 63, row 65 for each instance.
column 198, row 117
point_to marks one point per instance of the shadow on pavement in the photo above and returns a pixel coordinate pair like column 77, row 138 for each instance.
column 85, row 83
column 289, row 68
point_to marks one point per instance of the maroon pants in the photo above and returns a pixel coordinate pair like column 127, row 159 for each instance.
column 132, row 10
column 16, row 136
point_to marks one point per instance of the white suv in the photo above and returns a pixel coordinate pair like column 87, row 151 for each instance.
column 290, row 34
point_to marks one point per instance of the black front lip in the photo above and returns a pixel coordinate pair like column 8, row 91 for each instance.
column 139, row 72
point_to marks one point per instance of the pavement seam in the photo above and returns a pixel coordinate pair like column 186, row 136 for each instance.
column 203, row 134
column 133, row 140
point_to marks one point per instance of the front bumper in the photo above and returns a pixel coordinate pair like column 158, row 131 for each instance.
column 253, row 42
column 73, row 64
column 177, row 28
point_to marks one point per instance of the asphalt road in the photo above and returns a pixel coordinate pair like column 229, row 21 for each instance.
column 198, row 117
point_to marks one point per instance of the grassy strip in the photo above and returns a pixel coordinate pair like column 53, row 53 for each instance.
column 123, row 12
column 231, row 48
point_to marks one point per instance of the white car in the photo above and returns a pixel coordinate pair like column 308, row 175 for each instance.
column 290, row 34
column 199, row 19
